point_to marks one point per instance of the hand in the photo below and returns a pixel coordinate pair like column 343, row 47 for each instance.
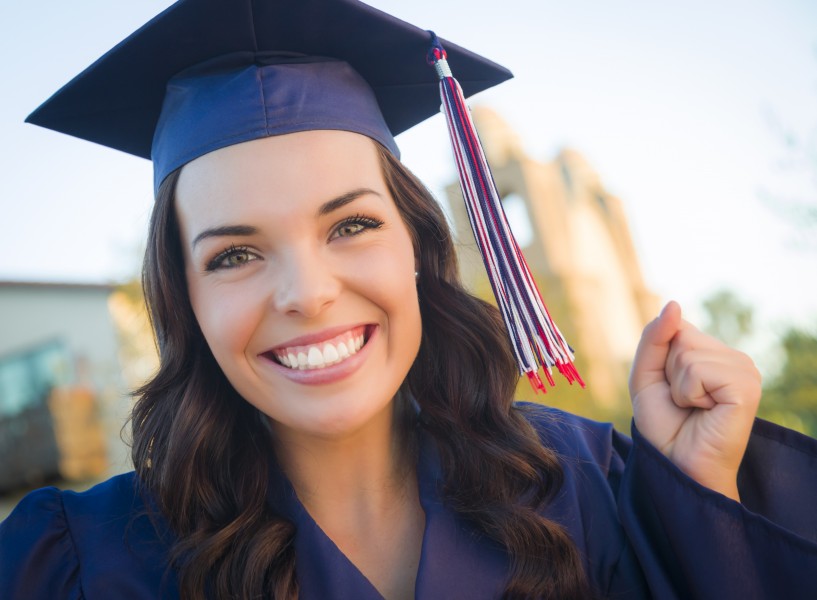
column 694, row 399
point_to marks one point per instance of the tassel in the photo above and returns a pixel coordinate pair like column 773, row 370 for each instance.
column 535, row 338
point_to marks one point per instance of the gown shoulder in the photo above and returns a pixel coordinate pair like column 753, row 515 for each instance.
column 38, row 558
column 63, row 544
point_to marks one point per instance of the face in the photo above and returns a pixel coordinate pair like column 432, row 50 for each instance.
column 301, row 276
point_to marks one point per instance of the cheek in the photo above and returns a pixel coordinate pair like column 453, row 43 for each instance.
column 393, row 286
column 226, row 318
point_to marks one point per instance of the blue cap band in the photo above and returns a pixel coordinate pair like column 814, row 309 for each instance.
column 245, row 96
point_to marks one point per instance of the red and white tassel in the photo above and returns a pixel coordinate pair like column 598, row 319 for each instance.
column 535, row 338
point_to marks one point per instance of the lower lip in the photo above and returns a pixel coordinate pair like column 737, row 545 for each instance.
column 330, row 374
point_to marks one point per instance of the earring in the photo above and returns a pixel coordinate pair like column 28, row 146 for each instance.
column 416, row 275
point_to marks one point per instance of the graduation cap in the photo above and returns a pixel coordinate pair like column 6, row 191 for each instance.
column 200, row 56
column 205, row 74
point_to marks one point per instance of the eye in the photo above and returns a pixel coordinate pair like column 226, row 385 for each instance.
column 355, row 226
column 232, row 258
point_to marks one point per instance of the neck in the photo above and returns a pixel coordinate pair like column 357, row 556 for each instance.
column 357, row 471
column 362, row 491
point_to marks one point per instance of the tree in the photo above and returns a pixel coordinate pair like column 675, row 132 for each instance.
column 730, row 319
column 137, row 346
column 790, row 398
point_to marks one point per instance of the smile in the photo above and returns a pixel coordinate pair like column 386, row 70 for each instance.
column 322, row 354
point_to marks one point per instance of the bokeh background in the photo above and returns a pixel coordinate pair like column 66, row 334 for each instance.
column 698, row 118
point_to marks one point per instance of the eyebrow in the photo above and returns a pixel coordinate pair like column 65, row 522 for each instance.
column 343, row 200
column 224, row 231
column 246, row 230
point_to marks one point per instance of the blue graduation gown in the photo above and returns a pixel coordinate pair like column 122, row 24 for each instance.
column 644, row 529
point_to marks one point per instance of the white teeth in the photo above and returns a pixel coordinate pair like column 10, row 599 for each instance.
column 317, row 357
column 330, row 355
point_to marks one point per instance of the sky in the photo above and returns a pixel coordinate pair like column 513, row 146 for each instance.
column 677, row 105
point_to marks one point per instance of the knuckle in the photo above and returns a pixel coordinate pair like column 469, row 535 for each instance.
column 682, row 360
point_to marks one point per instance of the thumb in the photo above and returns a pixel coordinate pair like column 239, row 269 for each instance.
column 653, row 349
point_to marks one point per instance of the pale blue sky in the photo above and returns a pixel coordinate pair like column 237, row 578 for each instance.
column 666, row 100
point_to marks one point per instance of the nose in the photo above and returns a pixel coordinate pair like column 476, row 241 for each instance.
column 304, row 283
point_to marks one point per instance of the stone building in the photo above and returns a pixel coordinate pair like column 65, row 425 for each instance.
column 575, row 237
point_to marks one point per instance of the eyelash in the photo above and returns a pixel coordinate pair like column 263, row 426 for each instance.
column 364, row 221
column 218, row 261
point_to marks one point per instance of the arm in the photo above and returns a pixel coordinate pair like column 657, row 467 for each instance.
column 715, row 504
column 692, row 542
column 694, row 399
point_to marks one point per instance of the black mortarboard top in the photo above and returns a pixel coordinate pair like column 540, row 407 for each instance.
column 219, row 67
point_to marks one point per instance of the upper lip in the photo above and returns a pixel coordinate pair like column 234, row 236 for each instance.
column 315, row 338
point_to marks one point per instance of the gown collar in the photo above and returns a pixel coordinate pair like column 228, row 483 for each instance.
column 456, row 560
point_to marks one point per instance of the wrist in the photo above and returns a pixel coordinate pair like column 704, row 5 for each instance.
column 722, row 482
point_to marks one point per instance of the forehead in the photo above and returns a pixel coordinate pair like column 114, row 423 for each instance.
column 289, row 171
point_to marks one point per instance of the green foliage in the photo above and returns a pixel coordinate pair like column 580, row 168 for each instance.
column 790, row 398
column 730, row 319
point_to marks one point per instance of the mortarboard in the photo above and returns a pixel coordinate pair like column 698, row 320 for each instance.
column 199, row 56
column 205, row 74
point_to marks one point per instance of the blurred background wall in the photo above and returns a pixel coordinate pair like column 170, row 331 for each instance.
column 69, row 354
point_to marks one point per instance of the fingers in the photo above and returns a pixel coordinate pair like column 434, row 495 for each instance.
column 689, row 365
column 654, row 348
column 694, row 399
column 696, row 377
column 711, row 374
column 700, row 370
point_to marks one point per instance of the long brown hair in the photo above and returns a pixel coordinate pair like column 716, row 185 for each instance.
column 204, row 453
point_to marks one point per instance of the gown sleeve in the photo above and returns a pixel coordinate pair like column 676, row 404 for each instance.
column 37, row 555
column 692, row 542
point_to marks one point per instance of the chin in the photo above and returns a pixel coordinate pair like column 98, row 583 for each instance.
column 333, row 418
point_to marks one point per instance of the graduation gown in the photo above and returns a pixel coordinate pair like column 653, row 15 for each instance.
column 644, row 529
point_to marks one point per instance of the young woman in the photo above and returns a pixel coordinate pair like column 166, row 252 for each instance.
column 333, row 416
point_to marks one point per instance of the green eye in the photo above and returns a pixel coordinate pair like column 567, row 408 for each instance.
column 231, row 258
column 350, row 229
column 236, row 259
column 356, row 225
